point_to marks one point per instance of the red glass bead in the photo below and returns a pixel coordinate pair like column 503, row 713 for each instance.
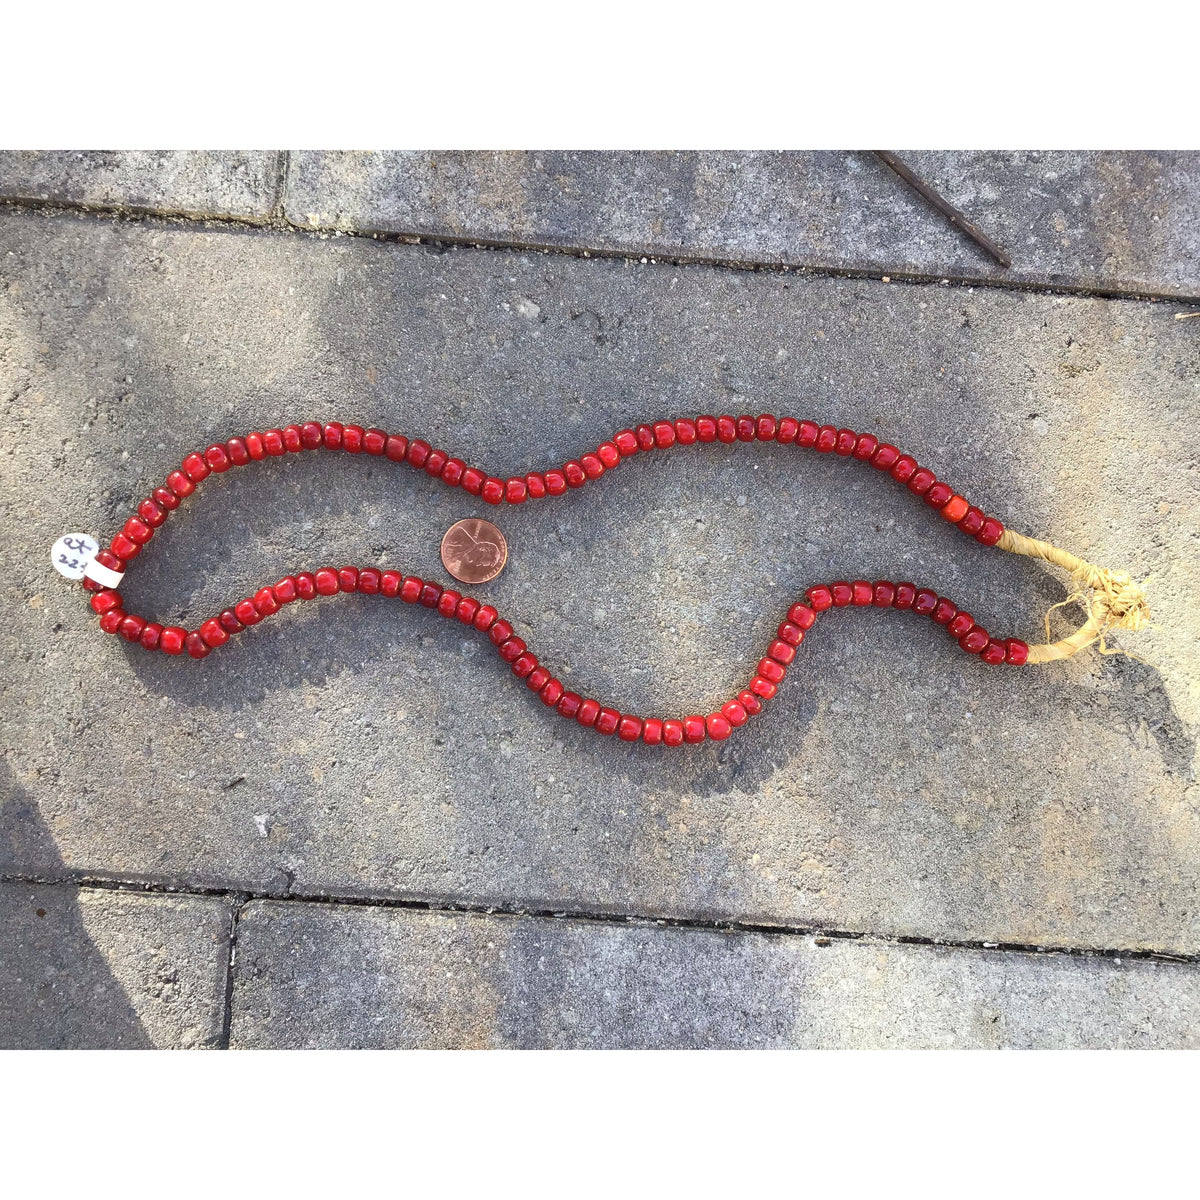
column 285, row 590
column 410, row 589
column 629, row 729
column 664, row 434
column 326, row 581
column 485, row 617
column 104, row 600
column 906, row 593
column 245, row 612
column 734, row 713
column 106, row 558
column 972, row 521
column 974, row 640
column 847, row 439
column 196, row 646
column 431, row 593
column 472, row 480
column 885, row 458
column 924, row 602
column 418, row 452
column 229, row 622
column 347, row 579
column 569, row 704
column 500, row 632
column 182, row 486
column 921, row 480
column 954, row 509
column 726, row 430
column 1016, row 652
column 992, row 654
column 332, row 435
column 645, row 437
column 452, row 472
column 903, row 468
column 768, row 668
column 291, row 439
column 435, row 463
column 672, row 733
column 574, row 474
column 608, row 454
column 273, row 443
column 369, row 580
column 235, row 447
column 492, row 491
column 587, row 712
column 131, row 627
column 593, row 468
column 136, row 530
column 685, row 432
column 447, row 606
column 809, row 432
column 960, row 623
column 781, row 652
column 124, row 549
column 312, row 436
column 766, row 427
column 556, row 482
column 802, row 615
column 819, row 598
column 717, row 726
column 151, row 635
column 842, row 593
column 352, row 438
column 524, row 664
column 255, row 447
column 213, row 634
column 745, row 428
column 151, row 513
column 394, row 447
column 990, row 534
column 535, row 485
column 512, row 649
column 195, row 468
column 792, row 634
column 944, row 611
column 864, row 593
column 390, row 583
column 763, row 687
column 865, row 446
column 516, row 491
column 171, row 640
column 706, row 429
column 166, row 498
column 652, row 731
column 938, row 494
column 468, row 606
column 536, row 679
column 265, row 603
column 883, row 593
column 111, row 621
column 827, row 438
column 551, row 693
column 789, row 427
column 750, row 701
column 625, row 441
column 693, row 729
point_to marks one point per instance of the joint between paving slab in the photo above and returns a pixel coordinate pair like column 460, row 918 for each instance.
column 822, row 935
column 239, row 900
column 277, row 221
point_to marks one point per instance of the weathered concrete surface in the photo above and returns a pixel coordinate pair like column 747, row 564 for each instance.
column 895, row 786
column 207, row 183
column 1108, row 221
column 92, row 969
column 330, row 976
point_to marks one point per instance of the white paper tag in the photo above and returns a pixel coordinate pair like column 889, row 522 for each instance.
column 72, row 553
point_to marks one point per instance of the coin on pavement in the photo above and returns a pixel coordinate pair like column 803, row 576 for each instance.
column 474, row 550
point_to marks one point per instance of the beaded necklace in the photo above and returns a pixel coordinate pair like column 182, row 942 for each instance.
column 1111, row 598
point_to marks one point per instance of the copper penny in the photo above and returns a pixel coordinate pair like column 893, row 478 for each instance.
column 474, row 550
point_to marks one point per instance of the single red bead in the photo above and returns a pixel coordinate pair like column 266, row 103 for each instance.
column 924, row 602
column 447, row 606
column 960, row 623
column 556, row 482
column 766, row 427
column 1016, row 652
column 745, row 428
column 196, row 646
column 629, row 729
column 312, row 436
column 229, row 622
column 500, row 631
column 376, row 442
column 693, row 729
column 706, row 429
column 847, row 439
column 625, row 441
column 885, row 458
column 104, row 600
column 524, row 664
column 944, row 611
column 768, row 668
column 347, row 579
column 587, row 712
column 972, row 522
column 906, row 593
column 537, row 679
column 781, row 652
column 974, row 640
column 369, row 580
column 883, row 593
column 172, row 639
column 990, row 534
column 410, row 589
column 151, row 513
column 903, row 468
column 110, row 622
column 827, row 438
column 535, row 485
column 865, row 446
column 511, row 649
column 493, row 490
column 652, row 731
column 516, row 491
column 123, row 548
column 664, row 434
column 255, row 447
column 285, row 590
column 390, row 583
column 921, row 480
column 468, row 606
column 717, row 726
column 802, row 615
column 672, row 733
column 213, row 633
column 726, row 430
column 182, row 486
column 326, row 581
column 431, row 593
column 551, row 693
column 992, row 654
column 131, row 627
column 195, row 468
column 954, row 509
column 106, row 558
column 245, row 612
column 938, row 495
column 735, row 713
column 485, row 617
column 593, row 468
column 808, row 434
column 352, row 438
column 842, row 593
column 151, row 635
column 435, row 463
column 265, row 603
column 273, row 443
column 573, row 473
column 819, row 598
column 864, row 593
column 763, row 687
column 789, row 427
column 136, row 530
column 332, row 435
column 395, row 446
column 235, row 447
column 291, row 439
column 750, row 701
column 472, row 480
column 608, row 454
column 452, row 472
column 607, row 720
column 792, row 634
column 166, row 498
column 418, row 452
column 685, row 432
column 569, row 704
column 645, row 437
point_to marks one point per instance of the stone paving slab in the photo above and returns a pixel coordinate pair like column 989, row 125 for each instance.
column 206, row 183
column 366, row 748
column 310, row 975
column 1125, row 222
column 85, row 968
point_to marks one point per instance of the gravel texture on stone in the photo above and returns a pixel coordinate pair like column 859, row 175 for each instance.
column 1111, row 221
column 330, row 976
column 360, row 746
column 205, row 183
column 87, row 968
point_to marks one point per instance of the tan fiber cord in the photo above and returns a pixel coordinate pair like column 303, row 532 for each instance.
column 1112, row 599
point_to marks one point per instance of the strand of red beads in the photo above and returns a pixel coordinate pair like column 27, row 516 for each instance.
column 111, row 563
